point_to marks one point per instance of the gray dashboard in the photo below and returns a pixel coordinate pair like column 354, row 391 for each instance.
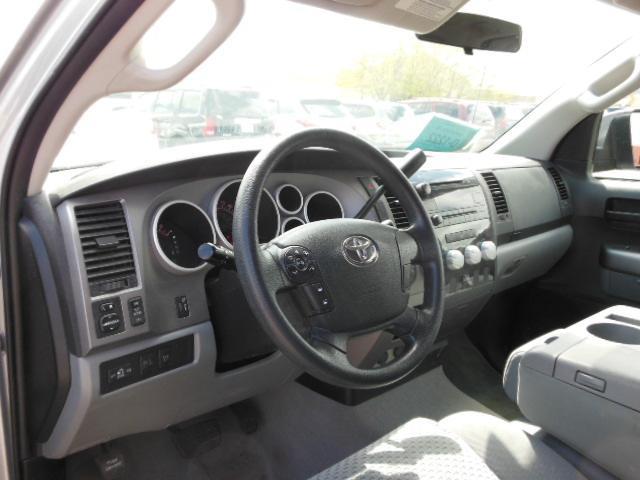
column 529, row 239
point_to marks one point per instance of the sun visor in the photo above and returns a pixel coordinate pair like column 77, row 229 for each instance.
column 633, row 5
column 420, row 16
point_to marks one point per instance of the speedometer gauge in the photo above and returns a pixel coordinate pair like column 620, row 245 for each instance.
column 179, row 228
column 224, row 205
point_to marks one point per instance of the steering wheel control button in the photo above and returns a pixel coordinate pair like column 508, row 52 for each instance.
column 489, row 251
column 182, row 306
column 136, row 311
column 454, row 260
column 108, row 316
column 472, row 255
column 298, row 264
column 318, row 297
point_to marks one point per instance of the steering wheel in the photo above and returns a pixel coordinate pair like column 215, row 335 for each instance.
column 354, row 274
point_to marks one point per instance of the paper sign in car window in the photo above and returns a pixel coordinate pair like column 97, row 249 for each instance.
column 444, row 134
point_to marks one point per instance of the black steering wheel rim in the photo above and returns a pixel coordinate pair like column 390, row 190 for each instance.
column 261, row 275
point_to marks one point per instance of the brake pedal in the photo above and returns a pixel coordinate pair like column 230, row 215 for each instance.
column 196, row 436
column 248, row 416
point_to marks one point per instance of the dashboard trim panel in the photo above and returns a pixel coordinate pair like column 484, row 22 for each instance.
column 89, row 417
column 87, row 335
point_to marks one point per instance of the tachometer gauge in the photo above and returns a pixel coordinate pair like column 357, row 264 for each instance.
column 224, row 205
column 179, row 229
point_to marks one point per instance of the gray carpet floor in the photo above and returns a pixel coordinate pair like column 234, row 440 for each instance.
column 300, row 434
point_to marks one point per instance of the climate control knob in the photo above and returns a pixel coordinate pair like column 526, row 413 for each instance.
column 454, row 260
column 488, row 250
column 472, row 255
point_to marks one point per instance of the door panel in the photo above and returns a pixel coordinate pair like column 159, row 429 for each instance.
column 603, row 264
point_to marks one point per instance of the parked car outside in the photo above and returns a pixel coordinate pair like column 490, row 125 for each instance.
column 371, row 121
column 293, row 114
column 188, row 115
column 506, row 115
column 451, row 107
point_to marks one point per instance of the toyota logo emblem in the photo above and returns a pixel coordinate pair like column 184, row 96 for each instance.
column 359, row 250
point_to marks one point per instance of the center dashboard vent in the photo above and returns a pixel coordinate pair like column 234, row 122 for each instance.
column 497, row 194
column 397, row 210
column 106, row 247
column 559, row 181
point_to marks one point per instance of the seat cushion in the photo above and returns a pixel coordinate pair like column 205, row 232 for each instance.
column 420, row 449
column 457, row 448
column 507, row 449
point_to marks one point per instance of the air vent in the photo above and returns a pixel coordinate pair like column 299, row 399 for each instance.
column 397, row 210
column 497, row 194
column 560, row 185
column 106, row 247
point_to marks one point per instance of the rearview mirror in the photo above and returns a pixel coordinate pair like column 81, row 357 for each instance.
column 476, row 32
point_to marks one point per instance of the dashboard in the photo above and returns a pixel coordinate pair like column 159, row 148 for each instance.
column 151, row 322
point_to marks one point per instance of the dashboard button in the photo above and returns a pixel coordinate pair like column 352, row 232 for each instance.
column 489, row 251
column 107, row 307
column 164, row 358
column 454, row 260
column 182, row 306
column 109, row 323
column 472, row 255
column 437, row 220
column 120, row 373
column 136, row 311
column 147, row 363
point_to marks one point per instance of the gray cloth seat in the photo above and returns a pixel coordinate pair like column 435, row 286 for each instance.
column 463, row 446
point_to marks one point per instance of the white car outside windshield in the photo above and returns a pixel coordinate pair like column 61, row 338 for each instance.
column 290, row 66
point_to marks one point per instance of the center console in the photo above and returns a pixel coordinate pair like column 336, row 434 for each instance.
column 582, row 385
column 457, row 202
column 459, row 212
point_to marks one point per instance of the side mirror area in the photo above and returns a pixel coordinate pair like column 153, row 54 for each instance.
column 618, row 145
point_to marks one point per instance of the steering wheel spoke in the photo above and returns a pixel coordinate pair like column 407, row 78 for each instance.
column 408, row 246
column 275, row 279
column 411, row 323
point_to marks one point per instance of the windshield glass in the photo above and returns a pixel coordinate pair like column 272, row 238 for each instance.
column 290, row 66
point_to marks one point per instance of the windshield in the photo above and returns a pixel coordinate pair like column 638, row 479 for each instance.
column 290, row 66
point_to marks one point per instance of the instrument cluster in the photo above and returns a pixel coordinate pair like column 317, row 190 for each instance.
column 180, row 227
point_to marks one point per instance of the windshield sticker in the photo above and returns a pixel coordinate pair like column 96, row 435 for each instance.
column 444, row 134
column 434, row 10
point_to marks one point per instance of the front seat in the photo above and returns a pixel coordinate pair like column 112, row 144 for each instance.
column 463, row 446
